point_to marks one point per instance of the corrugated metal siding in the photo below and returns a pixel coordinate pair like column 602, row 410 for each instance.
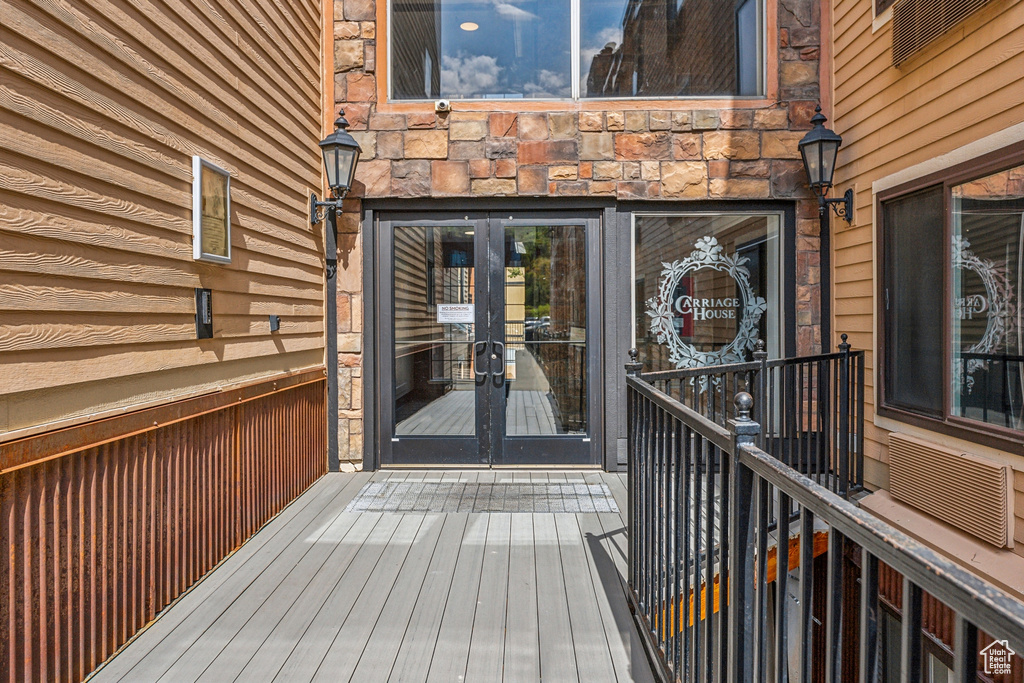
column 99, row 541
column 938, row 621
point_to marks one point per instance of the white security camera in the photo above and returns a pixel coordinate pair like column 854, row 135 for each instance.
column 442, row 105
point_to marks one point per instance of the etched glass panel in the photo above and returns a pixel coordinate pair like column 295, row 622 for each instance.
column 988, row 248
column 706, row 288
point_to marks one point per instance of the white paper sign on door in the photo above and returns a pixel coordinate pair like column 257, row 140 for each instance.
column 456, row 313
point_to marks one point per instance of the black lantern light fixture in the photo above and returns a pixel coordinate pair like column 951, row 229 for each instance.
column 341, row 154
column 819, row 149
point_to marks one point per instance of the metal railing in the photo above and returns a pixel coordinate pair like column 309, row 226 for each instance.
column 811, row 408
column 709, row 586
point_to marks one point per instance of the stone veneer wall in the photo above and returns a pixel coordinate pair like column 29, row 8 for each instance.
column 674, row 150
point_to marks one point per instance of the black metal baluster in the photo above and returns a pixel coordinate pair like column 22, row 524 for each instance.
column 806, row 593
column 965, row 657
column 844, row 419
column 834, row 611
column 687, row 554
column 859, row 422
column 781, row 580
column 724, row 552
column 698, row 595
column 868, row 617
column 910, row 656
column 761, row 586
column 709, row 562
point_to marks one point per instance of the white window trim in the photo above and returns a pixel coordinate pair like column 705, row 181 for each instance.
column 198, row 164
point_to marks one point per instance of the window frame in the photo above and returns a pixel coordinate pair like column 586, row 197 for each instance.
column 991, row 435
column 767, row 68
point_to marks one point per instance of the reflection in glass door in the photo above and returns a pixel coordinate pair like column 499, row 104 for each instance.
column 545, row 330
column 488, row 365
column 545, row 404
column 436, row 392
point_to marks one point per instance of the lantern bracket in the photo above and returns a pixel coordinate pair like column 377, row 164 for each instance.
column 841, row 206
column 318, row 209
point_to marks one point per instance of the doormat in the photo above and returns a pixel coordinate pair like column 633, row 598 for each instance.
column 436, row 496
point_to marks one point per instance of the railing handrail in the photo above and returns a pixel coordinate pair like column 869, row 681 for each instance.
column 716, row 434
column 683, row 373
column 1002, row 615
column 746, row 366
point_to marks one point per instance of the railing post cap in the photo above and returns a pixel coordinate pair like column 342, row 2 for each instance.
column 743, row 425
column 633, row 367
column 843, row 345
column 759, row 352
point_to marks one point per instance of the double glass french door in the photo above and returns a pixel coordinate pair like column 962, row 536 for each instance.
column 487, row 328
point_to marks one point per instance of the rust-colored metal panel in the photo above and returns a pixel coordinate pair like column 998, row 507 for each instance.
column 98, row 541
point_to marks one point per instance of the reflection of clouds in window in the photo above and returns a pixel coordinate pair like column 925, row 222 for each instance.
column 549, row 84
column 465, row 75
column 509, row 10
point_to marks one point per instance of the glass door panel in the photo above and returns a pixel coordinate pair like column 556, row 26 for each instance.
column 435, row 407
column 544, row 404
column 545, row 330
column 486, row 332
column 435, row 305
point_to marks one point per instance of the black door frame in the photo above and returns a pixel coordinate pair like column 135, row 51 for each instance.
column 616, row 301
column 492, row 447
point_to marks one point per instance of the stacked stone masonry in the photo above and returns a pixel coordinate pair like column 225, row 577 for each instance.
column 676, row 151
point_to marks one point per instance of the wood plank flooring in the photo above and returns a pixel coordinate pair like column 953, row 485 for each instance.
column 527, row 413
column 321, row 594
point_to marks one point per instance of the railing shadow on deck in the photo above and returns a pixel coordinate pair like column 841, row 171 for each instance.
column 706, row 500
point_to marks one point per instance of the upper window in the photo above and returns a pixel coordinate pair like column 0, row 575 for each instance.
column 956, row 357
column 570, row 49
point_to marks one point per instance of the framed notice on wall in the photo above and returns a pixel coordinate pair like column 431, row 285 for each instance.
column 211, row 212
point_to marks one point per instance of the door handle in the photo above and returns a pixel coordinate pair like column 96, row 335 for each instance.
column 479, row 348
column 501, row 357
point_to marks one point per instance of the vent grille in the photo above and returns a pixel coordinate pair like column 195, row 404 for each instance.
column 971, row 493
column 915, row 23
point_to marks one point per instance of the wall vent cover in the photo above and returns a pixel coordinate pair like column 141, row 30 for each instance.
column 971, row 493
column 915, row 23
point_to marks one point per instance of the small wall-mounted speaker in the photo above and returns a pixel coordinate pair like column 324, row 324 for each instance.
column 204, row 314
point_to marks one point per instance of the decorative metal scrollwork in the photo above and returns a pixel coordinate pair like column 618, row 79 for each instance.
column 706, row 256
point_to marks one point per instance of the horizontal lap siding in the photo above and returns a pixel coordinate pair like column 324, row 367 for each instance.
column 963, row 87
column 102, row 105
column 98, row 541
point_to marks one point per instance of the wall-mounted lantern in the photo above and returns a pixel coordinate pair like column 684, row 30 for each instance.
column 341, row 154
column 819, row 149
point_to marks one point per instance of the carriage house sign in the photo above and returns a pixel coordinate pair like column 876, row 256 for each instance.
column 674, row 311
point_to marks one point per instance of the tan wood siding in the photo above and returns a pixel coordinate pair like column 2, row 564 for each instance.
column 102, row 105
column 967, row 85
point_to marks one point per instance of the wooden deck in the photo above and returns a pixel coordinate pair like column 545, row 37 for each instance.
column 527, row 413
column 324, row 594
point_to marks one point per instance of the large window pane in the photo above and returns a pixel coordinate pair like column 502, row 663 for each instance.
column 914, row 264
column 459, row 49
column 706, row 287
column 988, row 248
column 657, row 48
